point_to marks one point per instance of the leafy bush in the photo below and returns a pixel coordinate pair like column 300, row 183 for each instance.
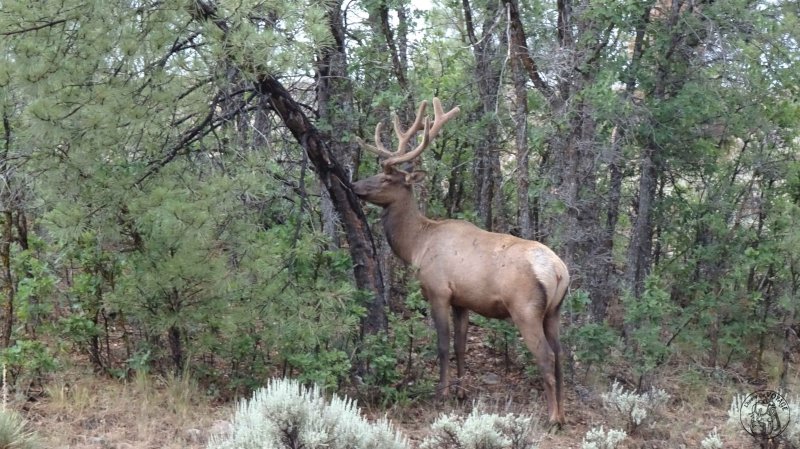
column 601, row 439
column 13, row 432
column 28, row 359
column 482, row 431
column 635, row 409
column 394, row 372
column 646, row 318
column 287, row 415
column 592, row 343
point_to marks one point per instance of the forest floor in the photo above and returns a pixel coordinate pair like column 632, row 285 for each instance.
column 80, row 410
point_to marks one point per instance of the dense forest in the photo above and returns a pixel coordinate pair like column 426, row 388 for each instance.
column 176, row 182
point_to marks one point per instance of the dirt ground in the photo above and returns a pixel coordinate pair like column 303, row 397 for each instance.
column 79, row 410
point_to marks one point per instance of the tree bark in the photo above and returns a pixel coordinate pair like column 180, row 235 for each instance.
column 334, row 178
column 367, row 274
column 7, row 237
column 336, row 111
column 524, row 218
column 486, row 167
column 615, row 159
column 9, row 289
column 641, row 243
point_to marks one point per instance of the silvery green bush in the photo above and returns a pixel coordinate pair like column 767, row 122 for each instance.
column 601, row 439
column 635, row 409
column 792, row 432
column 288, row 415
column 712, row 441
column 482, row 431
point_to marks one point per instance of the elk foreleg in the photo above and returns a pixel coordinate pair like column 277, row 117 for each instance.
column 460, row 324
column 441, row 321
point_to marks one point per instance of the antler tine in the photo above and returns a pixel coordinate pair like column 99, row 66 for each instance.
column 404, row 136
column 378, row 148
column 421, row 122
column 430, row 132
column 400, row 157
column 440, row 117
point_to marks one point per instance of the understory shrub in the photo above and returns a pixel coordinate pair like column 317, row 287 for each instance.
column 602, row 439
column 482, row 431
column 14, row 433
column 288, row 415
column 712, row 441
column 635, row 409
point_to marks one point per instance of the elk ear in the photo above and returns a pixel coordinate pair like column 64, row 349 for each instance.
column 415, row 177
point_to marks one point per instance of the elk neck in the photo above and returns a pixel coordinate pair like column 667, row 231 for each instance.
column 404, row 224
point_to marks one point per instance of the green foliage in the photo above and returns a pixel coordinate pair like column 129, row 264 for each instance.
column 395, row 368
column 503, row 339
column 36, row 282
column 28, row 359
column 591, row 342
column 325, row 368
column 646, row 318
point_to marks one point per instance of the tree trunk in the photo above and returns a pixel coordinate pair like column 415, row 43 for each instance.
column 336, row 111
column 362, row 248
column 487, row 157
column 9, row 289
column 333, row 176
column 524, row 219
column 7, row 237
column 175, row 348
column 641, row 243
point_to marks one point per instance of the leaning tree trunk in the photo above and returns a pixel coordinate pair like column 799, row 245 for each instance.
column 331, row 173
column 334, row 178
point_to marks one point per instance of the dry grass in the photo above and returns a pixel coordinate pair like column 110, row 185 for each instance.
column 81, row 410
column 84, row 411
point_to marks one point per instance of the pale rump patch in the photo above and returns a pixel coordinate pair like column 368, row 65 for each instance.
column 541, row 261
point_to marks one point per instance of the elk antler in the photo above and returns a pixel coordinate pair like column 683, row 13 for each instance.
column 420, row 122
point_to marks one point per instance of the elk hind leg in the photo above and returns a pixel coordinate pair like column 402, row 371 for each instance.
column 552, row 325
column 530, row 326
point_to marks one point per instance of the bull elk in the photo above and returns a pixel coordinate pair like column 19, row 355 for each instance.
column 463, row 268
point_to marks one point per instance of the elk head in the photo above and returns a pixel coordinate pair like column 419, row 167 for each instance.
column 394, row 183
